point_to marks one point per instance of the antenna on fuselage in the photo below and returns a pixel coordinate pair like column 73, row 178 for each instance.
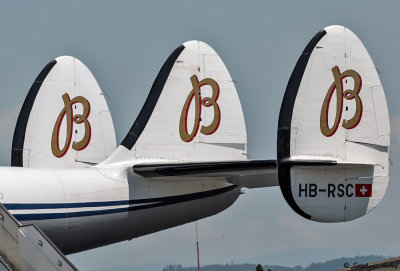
column 197, row 247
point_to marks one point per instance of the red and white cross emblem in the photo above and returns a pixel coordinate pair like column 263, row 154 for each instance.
column 364, row 190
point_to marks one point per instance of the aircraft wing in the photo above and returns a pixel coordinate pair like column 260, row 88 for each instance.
column 249, row 174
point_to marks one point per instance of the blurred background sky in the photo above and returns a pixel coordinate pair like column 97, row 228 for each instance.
column 125, row 43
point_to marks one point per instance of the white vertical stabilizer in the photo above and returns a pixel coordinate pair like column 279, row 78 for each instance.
column 192, row 113
column 65, row 120
column 334, row 132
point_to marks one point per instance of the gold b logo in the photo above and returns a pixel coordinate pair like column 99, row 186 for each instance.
column 349, row 94
column 67, row 112
column 198, row 101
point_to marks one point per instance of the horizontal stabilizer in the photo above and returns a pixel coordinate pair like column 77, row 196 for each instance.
column 250, row 174
column 321, row 163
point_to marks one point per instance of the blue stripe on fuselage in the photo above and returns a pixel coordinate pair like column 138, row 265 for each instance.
column 154, row 202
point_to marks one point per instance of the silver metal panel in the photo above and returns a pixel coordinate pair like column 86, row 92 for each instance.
column 27, row 248
column 4, row 266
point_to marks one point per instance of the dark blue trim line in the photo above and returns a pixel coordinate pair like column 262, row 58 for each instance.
column 285, row 122
column 23, row 117
column 34, row 206
column 158, row 202
column 151, row 101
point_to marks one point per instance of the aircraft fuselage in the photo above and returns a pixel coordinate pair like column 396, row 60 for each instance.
column 84, row 208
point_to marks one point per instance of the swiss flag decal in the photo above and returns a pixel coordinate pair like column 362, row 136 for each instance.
column 364, row 190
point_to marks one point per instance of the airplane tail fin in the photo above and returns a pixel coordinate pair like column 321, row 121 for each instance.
column 192, row 113
column 64, row 120
column 333, row 131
